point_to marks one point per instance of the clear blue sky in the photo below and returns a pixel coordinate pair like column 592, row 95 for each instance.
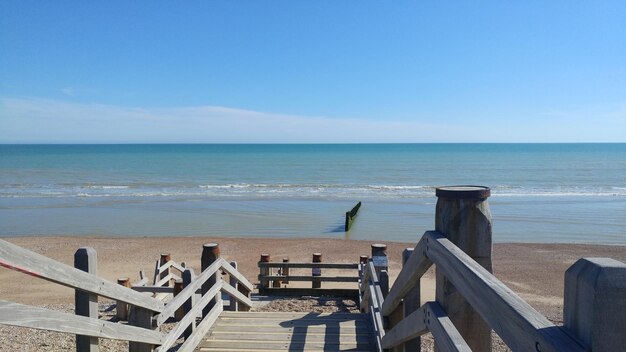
column 312, row 71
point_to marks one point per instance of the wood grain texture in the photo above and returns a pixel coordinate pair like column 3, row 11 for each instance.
column 187, row 292
column 22, row 260
column 410, row 327
column 203, row 327
column 595, row 303
column 189, row 317
column 235, row 295
column 415, row 267
column 234, row 273
column 311, row 278
column 446, row 336
column 297, row 265
column 39, row 318
column 520, row 326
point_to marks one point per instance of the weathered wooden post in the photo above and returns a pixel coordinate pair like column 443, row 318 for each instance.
column 140, row 317
column 285, row 271
column 86, row 304
column 210, row 253
column 264, row 271
column 381, row 264
column 188, row 276
column 462, row 215
column 315, row 272
column 165, row 257
column 594, row 306
column 180, row 312
column 411, row 303
column 233, row 306
column 121, row 308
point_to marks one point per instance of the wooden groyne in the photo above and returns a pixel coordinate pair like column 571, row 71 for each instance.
column 350, row 215
column 469, row 302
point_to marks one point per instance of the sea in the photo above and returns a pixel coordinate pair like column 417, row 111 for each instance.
column 556, row 193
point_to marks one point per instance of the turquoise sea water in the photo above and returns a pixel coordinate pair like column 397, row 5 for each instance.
column 540, row 192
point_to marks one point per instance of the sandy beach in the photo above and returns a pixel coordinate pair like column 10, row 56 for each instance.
column 534, row 271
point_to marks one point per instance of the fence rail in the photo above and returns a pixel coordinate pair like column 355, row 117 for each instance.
column 147, row 313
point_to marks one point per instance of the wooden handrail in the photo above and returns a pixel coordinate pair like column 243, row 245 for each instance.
column 520, row 326
column 412, row 271
column 44, row 319
column 236, row 295
column 187, row 292
column 237, row 275
column 17, row 258
column 190, row 317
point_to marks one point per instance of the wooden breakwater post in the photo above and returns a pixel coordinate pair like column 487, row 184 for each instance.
column 210, row 253
column 381, row 264
column 86, row 304
column 264, row 271
column 463, row 216
column 316, row 272
column 350, row 215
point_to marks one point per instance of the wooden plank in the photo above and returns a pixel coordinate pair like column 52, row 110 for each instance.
column 348, row 324
column 153, row 289
column 186, row 293
column 39, row 318
column 297, row 265
column 520, row 326
column 411, row 302
column 165, row 280
column 412, row 271
column 446, row 336
column 286, row 336
column 311, row 278
column 179, row 329
column 237, row 275
column 254, row 349
column 293, row 314
column 236, row 295
column 316, row 292
column 203, row 327
column 291, row 346
column 342, row 329
column 409, row 328
column 19, row 259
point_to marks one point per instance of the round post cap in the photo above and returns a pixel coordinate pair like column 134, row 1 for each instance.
column 463, row 192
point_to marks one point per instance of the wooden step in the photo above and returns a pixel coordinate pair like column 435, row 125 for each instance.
column 288, row 331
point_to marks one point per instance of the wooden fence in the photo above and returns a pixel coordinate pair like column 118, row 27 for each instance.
column 199, row 298
column 274, row 277
column 468, row 294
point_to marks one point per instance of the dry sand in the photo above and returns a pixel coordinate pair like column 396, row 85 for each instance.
column 534, row 271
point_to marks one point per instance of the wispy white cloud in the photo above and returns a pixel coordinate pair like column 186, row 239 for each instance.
column 34, row 120
column 68, row 91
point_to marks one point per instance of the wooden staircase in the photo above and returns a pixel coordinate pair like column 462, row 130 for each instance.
column 285, row 331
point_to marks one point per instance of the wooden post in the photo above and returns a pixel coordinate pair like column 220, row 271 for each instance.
column 180, row 312
column 285, row 271
column 121, row 308
column 140, row 317
column 165, row 257
column 233, row 306
column 188, row 276
column 411, row 303
column 462, row 215
column 317, row 258
column 86, row 304
column 594, row 306
column 264, row 271
column 379, row 257
column 210, row 253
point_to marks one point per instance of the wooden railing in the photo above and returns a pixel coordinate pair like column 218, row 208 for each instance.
column 274, row 275
column 594, row 302
column 199, row 297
